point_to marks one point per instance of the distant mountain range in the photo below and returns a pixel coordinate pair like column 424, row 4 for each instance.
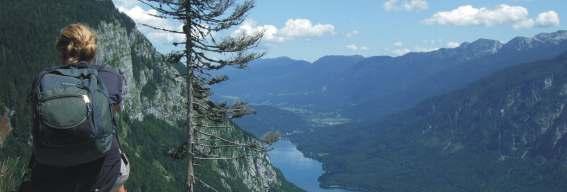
column 484, row 116
column 506, row 132
column 363, row 88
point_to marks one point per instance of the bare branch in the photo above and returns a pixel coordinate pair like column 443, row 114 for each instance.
column 163, row 29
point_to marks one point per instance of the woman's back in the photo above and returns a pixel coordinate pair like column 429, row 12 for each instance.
column 54, row 166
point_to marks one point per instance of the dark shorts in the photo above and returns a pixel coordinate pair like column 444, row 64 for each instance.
column 100, row 174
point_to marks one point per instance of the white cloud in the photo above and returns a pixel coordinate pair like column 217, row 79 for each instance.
column 140, row 15
column 399, row 48
column 548, row 19
column 250, row 27
column 304, row 28
column 352, row 47
column 453, row 44
column 293, row 29
column 163, row 36
column 469, row 15
column 400, row 51
column 355, row 47
column 415, row 5
column 144, row 16
column 352, row 33
column 424, row 49
column 408, row 5
column 391, row 5
column 503, row 14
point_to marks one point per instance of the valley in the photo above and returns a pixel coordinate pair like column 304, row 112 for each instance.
column 389, row 146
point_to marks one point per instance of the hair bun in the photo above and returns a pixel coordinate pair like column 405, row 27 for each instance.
column 77, row 42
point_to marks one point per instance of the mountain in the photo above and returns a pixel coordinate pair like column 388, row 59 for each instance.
column 272, row 76
column 369, row 88
column 375, row 148
column 151, row 123
column 343, row 89
column 505, row 132
column 284, row 81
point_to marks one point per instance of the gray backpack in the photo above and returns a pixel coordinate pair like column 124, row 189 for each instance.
column 72, row 116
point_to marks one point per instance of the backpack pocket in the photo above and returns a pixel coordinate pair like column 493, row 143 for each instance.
column 66, row 114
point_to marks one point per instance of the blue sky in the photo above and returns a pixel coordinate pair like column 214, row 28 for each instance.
column 309, row 29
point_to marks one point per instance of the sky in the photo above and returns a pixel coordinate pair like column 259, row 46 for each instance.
column 310, row 29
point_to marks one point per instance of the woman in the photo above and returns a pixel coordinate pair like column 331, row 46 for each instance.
column 77, row 48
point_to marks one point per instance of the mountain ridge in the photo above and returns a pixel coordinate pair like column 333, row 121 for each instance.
column 389, row 84
column 378, row 88
column 549, row 37
column 504, row 132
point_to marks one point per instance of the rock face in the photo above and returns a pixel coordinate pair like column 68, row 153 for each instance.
column 154, row 109
column 252, row 170
column 154, row 91
column 517, row 113
column 152, row 86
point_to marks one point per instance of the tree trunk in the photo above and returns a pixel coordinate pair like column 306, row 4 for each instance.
column 190, row 130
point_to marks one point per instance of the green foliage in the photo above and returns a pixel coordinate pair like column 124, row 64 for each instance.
column 285, row 185
column 12, row 172
column 140, row 63
column 150, row 90
column 146, row 144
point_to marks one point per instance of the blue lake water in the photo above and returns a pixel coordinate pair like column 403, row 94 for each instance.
column 297, row 168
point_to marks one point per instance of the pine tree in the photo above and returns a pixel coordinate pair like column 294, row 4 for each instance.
column 205, row 49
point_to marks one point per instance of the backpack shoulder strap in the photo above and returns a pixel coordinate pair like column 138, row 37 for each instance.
column 106, row 68
column 32, row 96
column 42, row 73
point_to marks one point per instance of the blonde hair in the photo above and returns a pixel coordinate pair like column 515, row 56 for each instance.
column 76, row 43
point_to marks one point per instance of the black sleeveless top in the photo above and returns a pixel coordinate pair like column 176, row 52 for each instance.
column 99, row 175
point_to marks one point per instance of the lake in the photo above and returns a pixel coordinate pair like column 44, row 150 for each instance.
column 297, row 168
